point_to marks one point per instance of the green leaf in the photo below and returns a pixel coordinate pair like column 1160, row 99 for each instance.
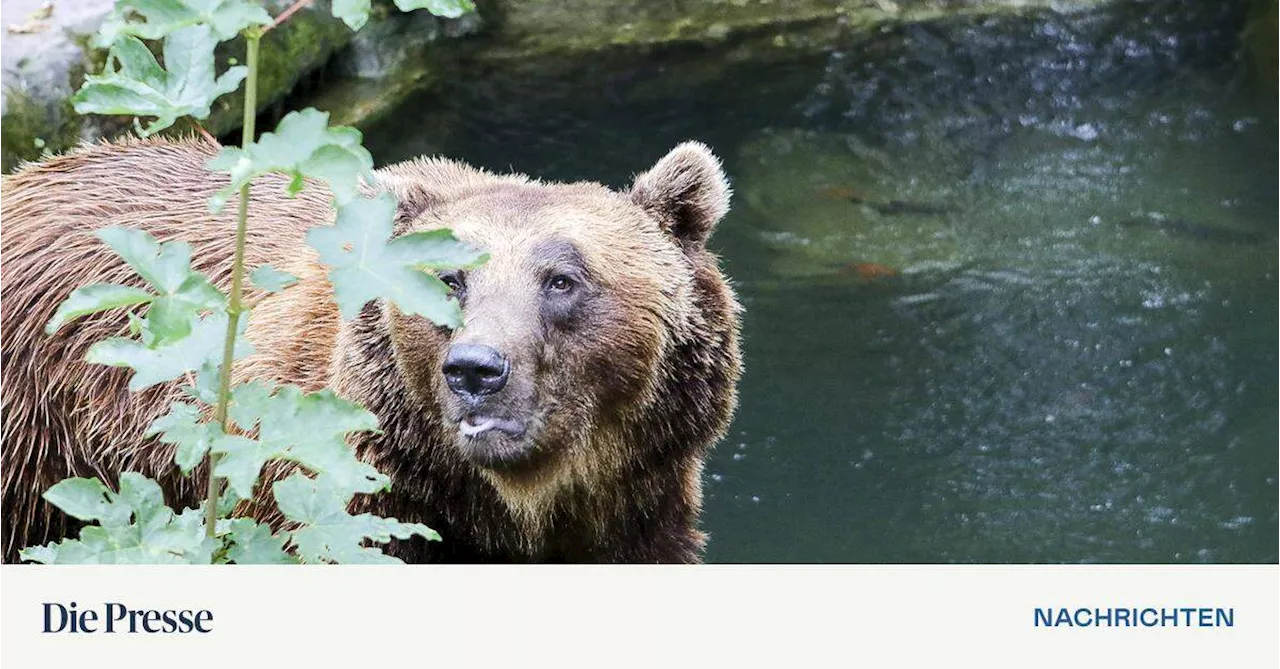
column 271, row 279
column 168, row 360
column 354, row 13
column 47, row 554
column 302, row 146
column 435, row 250
column 142, row 498
column 328, row 533
column 310, row 429
column 153, row 19
column 241, row 462
column 167, row 267
column 208, row 380
column 228, row 501
column 229, row 17
column 182, row 426
column 89, row 549
column 134, row 84
column 367, row 264
column 256, row 544
column 92, row 299
column 247, row 402
column 82, row 499
column 450, row 9
column 135, row 526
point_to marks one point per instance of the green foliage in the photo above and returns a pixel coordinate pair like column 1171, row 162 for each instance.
column 180, row 323
column 134, row 526
column 153, row 19
column 159, row 361
column 271, row 279
column 355, row 13
column 182, row 427
column 180, row 293
column 252, row 543
column 310, row 429
column 303, row 145
column 92, row 299
column 328, row 533
column 450, row 9
column 367, row 264
column 186, row 317
column 134, row 83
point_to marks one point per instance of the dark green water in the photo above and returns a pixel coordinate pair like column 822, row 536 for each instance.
column 1059, row 345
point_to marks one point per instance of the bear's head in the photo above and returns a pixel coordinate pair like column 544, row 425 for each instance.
column 599, row 334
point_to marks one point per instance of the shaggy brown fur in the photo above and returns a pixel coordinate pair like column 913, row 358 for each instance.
column 624, row 386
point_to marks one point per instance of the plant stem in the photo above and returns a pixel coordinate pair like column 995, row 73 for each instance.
column 284, row 16
column 234, row 306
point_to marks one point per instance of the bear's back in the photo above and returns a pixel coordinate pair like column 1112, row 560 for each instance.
column 62, row 416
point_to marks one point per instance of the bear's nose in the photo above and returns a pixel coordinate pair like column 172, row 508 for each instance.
column 473, row 370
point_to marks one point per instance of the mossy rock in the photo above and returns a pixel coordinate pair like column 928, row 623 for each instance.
column 288, row 54
column 43, row 63
column 31, row 128
column 49, row 65
column 391, row 58
column 541, row 27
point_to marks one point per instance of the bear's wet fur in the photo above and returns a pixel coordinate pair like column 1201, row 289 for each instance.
column 618, row 329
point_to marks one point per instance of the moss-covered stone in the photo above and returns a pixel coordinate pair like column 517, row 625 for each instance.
column 32, row 127
column 532, row 27
column 368, row 74
column 40, row 69
column 396, row 55
column 287, row 55
column 44, row 69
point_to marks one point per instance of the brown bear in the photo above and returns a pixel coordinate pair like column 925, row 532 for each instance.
column 567, row 420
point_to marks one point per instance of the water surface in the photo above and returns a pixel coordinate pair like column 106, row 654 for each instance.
column 1010, row 285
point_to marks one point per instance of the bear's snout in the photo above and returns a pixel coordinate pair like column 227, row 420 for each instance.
column 473, row 370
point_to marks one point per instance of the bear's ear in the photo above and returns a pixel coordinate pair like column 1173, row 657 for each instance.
column 687, row 192
column 426, row 182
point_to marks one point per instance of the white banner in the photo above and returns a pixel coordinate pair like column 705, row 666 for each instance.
column 587, row 616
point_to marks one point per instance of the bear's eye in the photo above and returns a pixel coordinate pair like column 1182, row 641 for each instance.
column 560, row 284
column 453, row 280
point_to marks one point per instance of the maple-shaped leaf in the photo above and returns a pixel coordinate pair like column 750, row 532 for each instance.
column 134, row 526
column 153, row 19
column 182, row 426
column 367, row 264
column 310, row 429
column 180, row 293
column 161, row 361
column 302, row 146
column 134, row 84
column 252, row 543
column 328, row 533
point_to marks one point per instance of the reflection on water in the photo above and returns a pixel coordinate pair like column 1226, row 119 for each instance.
column 1010, row 285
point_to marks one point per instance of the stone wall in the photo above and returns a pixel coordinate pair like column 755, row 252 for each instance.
column 45, row 61
column 367, row 74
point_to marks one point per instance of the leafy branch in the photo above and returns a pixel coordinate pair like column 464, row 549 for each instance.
column 183, row 327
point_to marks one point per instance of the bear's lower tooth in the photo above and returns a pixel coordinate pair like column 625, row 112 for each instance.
column 470, row 430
